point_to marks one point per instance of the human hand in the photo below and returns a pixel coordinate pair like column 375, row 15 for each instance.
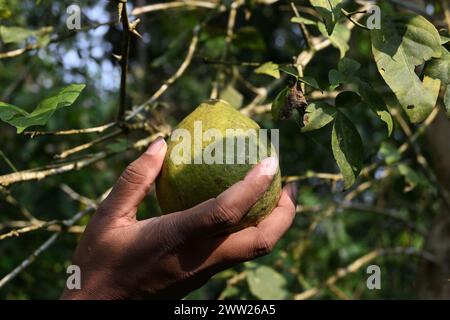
column 171, row 255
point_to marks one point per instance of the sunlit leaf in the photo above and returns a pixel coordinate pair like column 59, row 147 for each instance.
column 303, row 20
column 317, row 116
column 402, row 43
column 269, row 68
column 339, row 38
column 15, row 34
column 330, row 11
column 266, row 283
column 439, row 68
column 21, row 119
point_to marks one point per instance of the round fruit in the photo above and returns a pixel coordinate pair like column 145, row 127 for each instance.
column 184, row 184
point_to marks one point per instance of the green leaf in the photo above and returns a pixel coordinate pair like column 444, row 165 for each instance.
column 389, row 153
column 376, row 104
column 444, row 40
column 266, row 284
column 347, row 149
column 412, row 178
column 402, row 43
column 15, row 34
column 317, row 116
column 310, row 81
column 347, row 99
column 19, row 35
column 330, row 11
column 269, row 68
column 365, row 90
column 304, row 20
column 279, row 103
column 339, row 38
column 21, row 119
column 348, row 66
column 335, row 78
column 232, row 96
column 439, row 68
column 289, row 70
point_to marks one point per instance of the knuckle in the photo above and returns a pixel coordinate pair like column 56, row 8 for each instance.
column 224, row 215
column 133, row 174
column 262, row 246
column 169, row 233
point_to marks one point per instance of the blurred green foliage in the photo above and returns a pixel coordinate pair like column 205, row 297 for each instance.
column 325, row 236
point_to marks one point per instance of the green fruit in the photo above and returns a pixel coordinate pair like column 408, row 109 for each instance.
column 182, row 186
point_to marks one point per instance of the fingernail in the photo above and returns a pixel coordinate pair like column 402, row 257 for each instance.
column 269, row 166
column 156, row 146
column 294, row 191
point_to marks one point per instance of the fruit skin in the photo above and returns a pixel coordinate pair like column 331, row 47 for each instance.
column 180, row 187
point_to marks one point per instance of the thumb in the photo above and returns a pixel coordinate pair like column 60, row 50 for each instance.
column 135, row 182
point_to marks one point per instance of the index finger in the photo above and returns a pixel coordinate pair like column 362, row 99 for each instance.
column 257, row 241
column 226, row 211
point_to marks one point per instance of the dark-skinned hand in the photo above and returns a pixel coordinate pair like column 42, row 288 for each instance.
column 171, row 255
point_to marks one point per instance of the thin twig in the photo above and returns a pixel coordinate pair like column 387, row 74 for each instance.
column 124, row 61
column 88, row 145
column 317, row 175
column 8, row 162
column 218, row 82
column 206, row 60
column 420, row 158
column 25, row 263
column 13, row 201
column 177, row 4
column 303, row 29
column 349, row 16
column 98, row 129
column 359, row 207
column 358, row 264
column 29, row 175
column 172, row 79
column 234, row 280
column 30, row 47
column 76, row 196
column 31, row 227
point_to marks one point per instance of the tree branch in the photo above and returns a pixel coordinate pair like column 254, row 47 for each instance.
column 29, row 175
column 124, row 60
column 25, row 263
column 98, row 129
column 180, row 71
column 178, row 4
column 358, row 264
